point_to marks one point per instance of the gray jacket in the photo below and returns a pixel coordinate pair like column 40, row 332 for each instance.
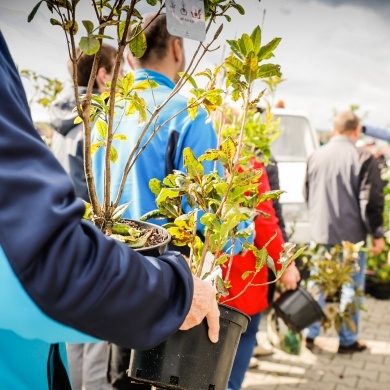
column 67, row 142
column 344, row 193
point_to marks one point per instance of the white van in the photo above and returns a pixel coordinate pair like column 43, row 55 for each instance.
column 291, row 149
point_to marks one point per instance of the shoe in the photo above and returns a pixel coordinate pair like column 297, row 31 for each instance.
column 357, row 346
column 254, row 363
column 309, row 343
column 263, row 350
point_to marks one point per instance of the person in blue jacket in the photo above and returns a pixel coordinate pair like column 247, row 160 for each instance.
column 61, row 279
column 162, row 62
column 382, row 133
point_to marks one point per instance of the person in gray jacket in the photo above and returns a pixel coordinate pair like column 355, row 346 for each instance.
column 87, row 361
column 67, row 141
column 345, row 200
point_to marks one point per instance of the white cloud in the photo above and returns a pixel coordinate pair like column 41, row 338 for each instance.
column 332, row 53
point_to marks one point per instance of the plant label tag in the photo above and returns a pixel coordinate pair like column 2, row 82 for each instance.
column 185, row 18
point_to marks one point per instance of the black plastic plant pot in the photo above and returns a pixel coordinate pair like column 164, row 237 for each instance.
column 161, row 247
column 298, row 309
column 380, row 291
column 189, row 360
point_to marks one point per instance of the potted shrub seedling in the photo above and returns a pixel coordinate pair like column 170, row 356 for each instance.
column 331, row 269
column 378, row 266
column 221, row 204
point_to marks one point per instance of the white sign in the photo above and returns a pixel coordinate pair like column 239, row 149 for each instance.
column 185, row 18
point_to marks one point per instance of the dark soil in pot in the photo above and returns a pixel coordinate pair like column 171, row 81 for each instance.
column 157, row 241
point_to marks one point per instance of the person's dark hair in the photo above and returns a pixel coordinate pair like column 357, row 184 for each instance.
column 157, row 38
column 84, row 65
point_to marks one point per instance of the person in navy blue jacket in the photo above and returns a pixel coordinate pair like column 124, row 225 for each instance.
column 61, row 279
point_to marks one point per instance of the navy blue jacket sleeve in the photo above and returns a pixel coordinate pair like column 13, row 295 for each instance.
column 74, row 273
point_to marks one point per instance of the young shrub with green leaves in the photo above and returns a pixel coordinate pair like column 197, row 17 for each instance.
column 332, row 269
column 123, row 20
column 222, row 204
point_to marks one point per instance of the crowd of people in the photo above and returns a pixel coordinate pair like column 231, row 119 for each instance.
column 80, row 288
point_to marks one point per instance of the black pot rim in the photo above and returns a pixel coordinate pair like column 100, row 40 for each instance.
column 154, row 226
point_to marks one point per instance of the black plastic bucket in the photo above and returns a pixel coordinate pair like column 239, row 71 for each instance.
column 298, row 309
column 189, row 360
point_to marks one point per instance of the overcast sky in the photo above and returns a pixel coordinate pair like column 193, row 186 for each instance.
column 333, row 53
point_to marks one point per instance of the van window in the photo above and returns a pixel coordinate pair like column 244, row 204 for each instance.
column 295, row 142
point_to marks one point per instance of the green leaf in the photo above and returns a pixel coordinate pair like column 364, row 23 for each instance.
column 87, row 211
column 101, row 128
column 192, row 108
column 152, row 2
column 127, row 83
column 266, row 51
column 234, row 64
column 256, row 39
column 239, row 8
column 89, row 45
column 120, row 137
column 104, row 95
column 154, row 214
column 188, row 79
column 113, row 155
column 131, row 108
column 138, row 45
column 229, row 148
column 210, row 220
column 78, row 120
column 96, row 146
column 88, row 26
column 221, row 287
column 235, row 48
column 210, row 155
column 270, row 195
column 142, row 115
column 250, row 67
column 245, row 44
column 155, row 186
column 194, row 167
column 33, row 12
column 167, row 193
column 144, row 85
column 121, row 29
column 268, row 70
column 222, row 259
column 55, row 22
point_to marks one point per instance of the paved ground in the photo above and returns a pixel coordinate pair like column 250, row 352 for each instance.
column 324, row 369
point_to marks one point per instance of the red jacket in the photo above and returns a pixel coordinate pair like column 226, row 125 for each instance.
column 254, row 299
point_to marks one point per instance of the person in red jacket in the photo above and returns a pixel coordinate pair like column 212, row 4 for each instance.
column 254, row 300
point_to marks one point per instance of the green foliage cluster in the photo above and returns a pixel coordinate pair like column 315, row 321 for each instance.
column 378, row 265
column 331, row 269
column 45, row 89
column 219, row 203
